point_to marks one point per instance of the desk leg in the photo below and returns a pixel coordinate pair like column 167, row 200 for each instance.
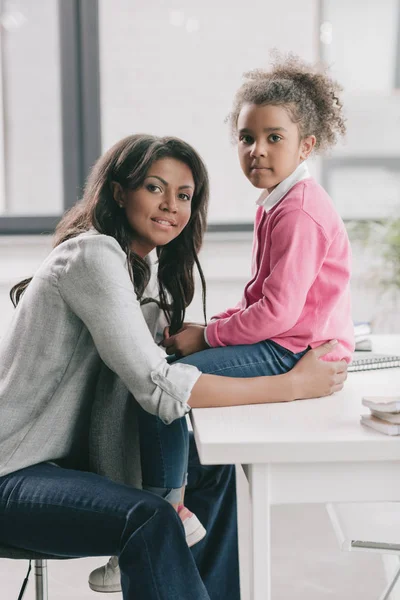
column 260, row 555
column 244, row 530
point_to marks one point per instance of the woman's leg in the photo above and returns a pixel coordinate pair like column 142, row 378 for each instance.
column 164, row 455
column 73, row 513
column 211, row 494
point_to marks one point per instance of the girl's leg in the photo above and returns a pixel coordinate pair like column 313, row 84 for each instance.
column 164, row 448
column 164, row 451
column 73, row 513
column 264, row 358
column 211, row 490
column 164, row 455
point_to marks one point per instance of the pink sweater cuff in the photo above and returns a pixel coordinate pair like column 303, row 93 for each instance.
column 211, row 336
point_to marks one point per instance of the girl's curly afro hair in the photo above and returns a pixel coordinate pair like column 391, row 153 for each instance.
column 309, row 94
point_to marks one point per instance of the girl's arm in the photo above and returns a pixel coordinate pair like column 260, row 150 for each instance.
column 310, row 378
column 298, row 250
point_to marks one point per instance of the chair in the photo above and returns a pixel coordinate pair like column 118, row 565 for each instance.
column 39, row 566
column 368, row 527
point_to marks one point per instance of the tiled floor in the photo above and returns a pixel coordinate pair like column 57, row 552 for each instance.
column 306, row 562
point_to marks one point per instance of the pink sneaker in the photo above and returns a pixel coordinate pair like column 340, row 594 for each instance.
column 194, row 530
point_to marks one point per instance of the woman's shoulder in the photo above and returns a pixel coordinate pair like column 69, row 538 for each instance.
column 89, row 239
column 89, row 245
column 88, row 250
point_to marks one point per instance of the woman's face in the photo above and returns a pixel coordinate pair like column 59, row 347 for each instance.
column 160, row 209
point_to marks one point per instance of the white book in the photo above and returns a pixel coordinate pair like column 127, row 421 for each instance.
column 387, row 416
column 386, row 404
column 361, row 330
column 379, row 425
column 363, row 344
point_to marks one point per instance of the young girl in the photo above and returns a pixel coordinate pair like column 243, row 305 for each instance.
column 298, row 296
column 299, row 293
column 80, row 313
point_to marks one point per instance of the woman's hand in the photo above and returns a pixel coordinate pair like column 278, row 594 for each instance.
column 184, row 326
column 310, row 378
column 313, row 377
column 188, row 340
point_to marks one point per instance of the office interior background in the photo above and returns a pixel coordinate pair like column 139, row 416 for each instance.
column 77, row 75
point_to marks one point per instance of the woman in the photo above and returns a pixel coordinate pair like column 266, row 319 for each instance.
column 81, row 313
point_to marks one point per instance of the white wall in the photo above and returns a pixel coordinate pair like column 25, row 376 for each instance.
column 226, row 263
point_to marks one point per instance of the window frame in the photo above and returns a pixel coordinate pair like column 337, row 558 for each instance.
column 78, row 24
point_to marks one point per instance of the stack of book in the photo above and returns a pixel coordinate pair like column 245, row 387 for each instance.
column 384, row 414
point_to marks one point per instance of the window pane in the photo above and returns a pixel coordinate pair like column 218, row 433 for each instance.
column 30, row 120
column 365, row 192
column 360, row 42
column 174, row 72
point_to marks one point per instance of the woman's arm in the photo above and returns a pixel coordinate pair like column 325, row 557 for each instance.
column 310, row 378
column 95, row 284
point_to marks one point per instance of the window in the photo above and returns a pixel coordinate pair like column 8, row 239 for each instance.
column 49, row 117
column 174, row 72
column 173, row 69
column 361, row 42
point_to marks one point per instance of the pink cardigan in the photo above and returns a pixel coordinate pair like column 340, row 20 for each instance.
column 299, row 293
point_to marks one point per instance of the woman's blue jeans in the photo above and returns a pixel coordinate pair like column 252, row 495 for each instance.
column 63, row 512
column 164, row 448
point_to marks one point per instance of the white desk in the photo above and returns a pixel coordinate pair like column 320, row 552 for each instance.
column 311, row 451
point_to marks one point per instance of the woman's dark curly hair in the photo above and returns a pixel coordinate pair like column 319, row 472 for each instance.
column 309, row 94
column 127, row 163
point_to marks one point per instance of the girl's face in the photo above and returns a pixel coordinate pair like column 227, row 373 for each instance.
column 269, row 146
column 160, row 209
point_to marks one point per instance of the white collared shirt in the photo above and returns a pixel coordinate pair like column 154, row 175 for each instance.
column 268, row 200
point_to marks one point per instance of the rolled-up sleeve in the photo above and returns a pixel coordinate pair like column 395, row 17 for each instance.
column 95, row 284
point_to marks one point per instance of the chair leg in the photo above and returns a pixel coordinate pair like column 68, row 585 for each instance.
column 391, row 585
column 40, row 569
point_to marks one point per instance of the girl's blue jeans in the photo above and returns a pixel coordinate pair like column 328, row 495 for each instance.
column 164, row 448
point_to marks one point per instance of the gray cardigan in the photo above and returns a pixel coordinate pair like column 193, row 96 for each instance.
column 77, row 348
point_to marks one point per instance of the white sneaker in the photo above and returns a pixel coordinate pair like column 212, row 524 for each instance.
column 194, row 530
column 108, row 577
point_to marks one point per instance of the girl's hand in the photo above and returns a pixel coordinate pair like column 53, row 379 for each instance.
column 190, row 339
column 313, row 377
